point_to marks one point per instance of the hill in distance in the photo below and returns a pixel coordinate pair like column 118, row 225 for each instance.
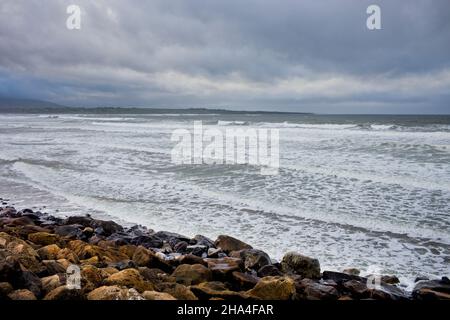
column 14, row 105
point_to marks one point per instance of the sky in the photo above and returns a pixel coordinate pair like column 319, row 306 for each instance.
column 282, row 55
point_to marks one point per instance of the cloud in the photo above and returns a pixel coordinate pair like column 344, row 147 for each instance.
column 284, row 54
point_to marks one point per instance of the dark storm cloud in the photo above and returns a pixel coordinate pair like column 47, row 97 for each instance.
column 254, row 54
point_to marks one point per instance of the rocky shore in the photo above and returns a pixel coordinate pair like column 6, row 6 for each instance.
column 82, row 258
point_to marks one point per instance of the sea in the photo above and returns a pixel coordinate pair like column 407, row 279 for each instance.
column 365, row 191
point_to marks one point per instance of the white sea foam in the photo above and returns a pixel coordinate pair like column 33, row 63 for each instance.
column 353, row 196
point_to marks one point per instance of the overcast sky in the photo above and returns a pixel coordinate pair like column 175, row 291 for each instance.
column 284, row 55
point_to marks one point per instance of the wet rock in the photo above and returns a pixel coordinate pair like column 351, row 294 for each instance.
column 85, row 221
column 339, row 277
column 5, row 289
column 180, row 246
column 177, row 290
column 387, row 292
column 191, row 259
column 168, row 236
column 243, row 281
column 295, row 263
column 128, row 250
column 73, row 231
column 197, row 250
column 8, row 212
column 51, row 282
column 228, row 244
column 154, row 275
column 254, row 259
column 204, row 241
column 390, row 279
column 142, row 256
column 432, row 290
column 273, row 288
column 147, row 241
column 154, row 295
column 86, row 251
column 54, row 266
column 216, row 289
column 93, row 275
column 357, row 289
column 192, row 274
column 64, row 293
column 269, row 270
column 49, row 252
column 122, row 265
column 23, row 252
column 23, row 294
column 43, row 238
column 128, row 278
column 223, row 267
column 69, row 255
column 308, row 289
column 109, row 227
column 352, row 271
column 114, row 293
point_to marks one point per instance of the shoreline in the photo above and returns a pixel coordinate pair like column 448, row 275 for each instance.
column 38, row 252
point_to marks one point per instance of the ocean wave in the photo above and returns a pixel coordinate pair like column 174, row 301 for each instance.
column 232, row 123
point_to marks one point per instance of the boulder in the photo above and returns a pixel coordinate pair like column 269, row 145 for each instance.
column 228, row 244
column 93, row 275
column 5, row 289
column 192, row 274
column 85, row 221
column 44, row 238
column 109, row 227
column 64, row 293
column 128, row 250
column 243, row 281
column 223, row 267
column 177, row 290
column 27, row 280
column 295, row 263
column 269, row 270
column 352, row 271
column 22, row 252
column 73, row 231
column 254, row 259
column 49, row 252
column 432, row 290
column 129, row 278
column 154, row 295
column 51, row 282
column 357, row 289
column 142, row 256
column 390, row 279
column 204, row 241
column 273, row 288
column 69, row 255
column 114, row 293
column 308, row 289
column 23, row 294
column 154, row 275
column 191, row 259
column 54, row 266
column 340, row 277
column 148, row 241
column 216, row 289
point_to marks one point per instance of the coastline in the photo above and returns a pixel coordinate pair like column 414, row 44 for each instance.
column 82, row 258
